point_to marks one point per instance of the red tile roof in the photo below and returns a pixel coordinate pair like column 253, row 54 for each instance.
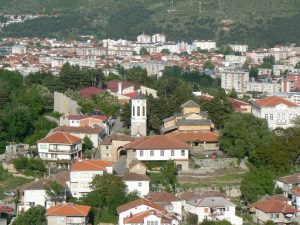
column 137, row 203
column 135, row 177
column 84, row 130
column 132, row 94
column 157, row 142
column 90, row 165
column 273, row 206
column 162, row 197
column 60, row 138
column 291, row 179
column 113, row 85
column 272, row 101
column 88, row 92
column 81, row 117
column 68, row 210
column 197, row 136
column 139, row 217
column 136, row 162
column 120, row 137
column 296, row 191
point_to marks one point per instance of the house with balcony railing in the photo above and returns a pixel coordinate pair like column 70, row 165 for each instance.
column 60, row 146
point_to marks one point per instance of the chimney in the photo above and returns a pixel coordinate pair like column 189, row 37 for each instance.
column 120, row 88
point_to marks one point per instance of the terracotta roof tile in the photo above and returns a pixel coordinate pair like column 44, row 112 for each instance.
column 135, row 162
column 162, row 197
column 88, row 92
column 197, row 136
column 60, row 138
column 291, row 179
column 157, row 142
column 139, row 217
column 272, row 101
column 137, row 203
column 68, row 210
column 90, row 165
column 85, row 129
column 296, row 191
column 81, row 117
column 120, row 137
column 135, row 177
column 273, row 206
column 190, row 104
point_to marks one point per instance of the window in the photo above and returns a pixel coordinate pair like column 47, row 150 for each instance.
column 172, row 153
column 133, row 110
column 138, row 111
column 266, row 116
column 283, row 116
column 140, row 184
column 162, row 153
column 205, row 210
column 182, row 153
column 144, row 110
column 274, row 215
column 141, row 153
column 271, row 116
column 106, row 146
column 151, row 153
column 278, row 116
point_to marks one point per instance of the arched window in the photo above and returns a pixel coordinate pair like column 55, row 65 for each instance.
column 144, row 111
column 133, row 111
column 138, row 111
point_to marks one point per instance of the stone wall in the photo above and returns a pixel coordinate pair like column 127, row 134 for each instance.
column 64, row 105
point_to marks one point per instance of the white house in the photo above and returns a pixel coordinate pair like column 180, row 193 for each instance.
column 278, row 112
column 137, row 182
column 296, row 197
column 204, row 45
column 149, row 217
column 158, row 38
column 169, row 201
column 159, row 148
column 213, row 208
column 287, row 183
column 83, row 172
column 143, row 38
column 239, row 48
column 137, row 206
column 60, row 146
column 67, row 214
column 34, row 193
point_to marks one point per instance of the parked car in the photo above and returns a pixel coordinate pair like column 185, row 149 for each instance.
column 10, row 193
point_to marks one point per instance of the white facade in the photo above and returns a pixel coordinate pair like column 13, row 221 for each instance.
column 267, row 88
column 239, row 48
column 204, row 45
column 18, row 49
column 234, row 79
column 296, row 201
column 158, row 38
column 141, row 187
column 139, row 116
column 279, row 116
column 34, row 198
column 80, row 181
column 162, row 155
column 52, row 151
column 153, row 219
column 143, row 38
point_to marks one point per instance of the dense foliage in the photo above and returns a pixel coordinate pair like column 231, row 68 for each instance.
column 34, row 215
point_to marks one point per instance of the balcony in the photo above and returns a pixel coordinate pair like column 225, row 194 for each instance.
column 281, row 122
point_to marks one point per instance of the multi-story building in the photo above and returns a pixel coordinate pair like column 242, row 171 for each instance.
column 296, row 80
column 239, row 48
column 143, row 39
column 204, row 45
column 267, row 88
column 68, row 214
column 158, row 38
column 60, row 146
column 82, row 173
column 234, row 79
column 278, row 111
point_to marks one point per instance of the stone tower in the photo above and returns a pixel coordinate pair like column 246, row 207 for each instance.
column 139, row 116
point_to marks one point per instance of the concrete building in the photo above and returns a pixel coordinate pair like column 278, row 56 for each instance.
column 239, row 48
column 158, row 38
column 83, row 172
column 234, row 79
column 138, row 116
column 68, row 214
column 267, row 88
column 143, row 39
column 277, row 111
column 60, row 146
column 18, row 49
column 204, row 45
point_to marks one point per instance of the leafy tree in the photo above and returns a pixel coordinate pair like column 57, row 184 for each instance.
column 208, row 65
column 126, row 115
column 87, row 144
column 191, row 219
column 256, row 183
column 218, row 222
column 34, row 215
column 233, row 94
column 297, row 66
column 253, row 72
column 87, row 154
column 143, row 51
column 268, row 62
column 243, row 134
column 169, row 176
column 55, row 192
column 165, row 51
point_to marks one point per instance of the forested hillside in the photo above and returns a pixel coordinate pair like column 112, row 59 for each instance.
column 256, row 22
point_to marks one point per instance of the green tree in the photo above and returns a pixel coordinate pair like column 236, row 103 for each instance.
column 87, row 144
column 165, row 51
column 55, row 192
column 169, row 175
column 268, row 62
column 191, row 219
column 143, row 51
column 297, row 66
column 233, row 94
column 126, row 115
column 253, row 72
column 208, row 65
column 243, row 134
column 34, row 215
column 256, row 183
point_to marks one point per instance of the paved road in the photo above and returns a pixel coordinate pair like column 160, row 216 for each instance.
column 52, row 119
column 120, row 165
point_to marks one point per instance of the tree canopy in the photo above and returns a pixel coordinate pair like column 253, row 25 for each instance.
column 35, row 215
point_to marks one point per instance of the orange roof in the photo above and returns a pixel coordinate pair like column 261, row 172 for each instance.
column 156, row 142
column 272, row 101
column 139, row 217
column 91, row 165
column 296, row 191
column 60, row 138
column 273, row 206
column 137, row 203
column 197, row 136
column 68, row 210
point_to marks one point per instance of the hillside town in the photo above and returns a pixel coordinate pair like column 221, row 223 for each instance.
column 123, row 150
